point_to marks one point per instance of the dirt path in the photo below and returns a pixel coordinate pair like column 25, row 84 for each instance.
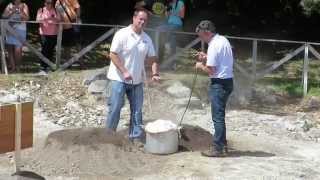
column 91, row 153
column 263, row 146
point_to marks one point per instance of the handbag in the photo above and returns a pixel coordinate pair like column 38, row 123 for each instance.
column 76, row 28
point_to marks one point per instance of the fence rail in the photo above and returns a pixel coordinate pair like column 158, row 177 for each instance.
column 254, row 75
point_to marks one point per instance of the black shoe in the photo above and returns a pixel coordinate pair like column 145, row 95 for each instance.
column 212, row 152
column 225, row 149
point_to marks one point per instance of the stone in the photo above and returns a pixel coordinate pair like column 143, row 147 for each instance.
column 10, row 98
column 73, row 107
column 179, row 90
column 98, row 87
column 195, row 103
column 99, row 74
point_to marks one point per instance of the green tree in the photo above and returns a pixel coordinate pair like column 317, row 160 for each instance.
column 311, row 6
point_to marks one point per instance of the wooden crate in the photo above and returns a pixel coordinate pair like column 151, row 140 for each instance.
column 7, row 126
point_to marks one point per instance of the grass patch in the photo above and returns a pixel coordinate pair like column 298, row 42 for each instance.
column 288, row 79
column 291, row 87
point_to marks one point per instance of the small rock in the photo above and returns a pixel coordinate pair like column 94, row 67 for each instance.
column 100, row 74
column 179, row 90
column 195, row 103
column 98, row 87
column 10, row 98
column 62, row 120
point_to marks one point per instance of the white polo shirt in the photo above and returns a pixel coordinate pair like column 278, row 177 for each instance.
column 219, row 55
column 132, row 49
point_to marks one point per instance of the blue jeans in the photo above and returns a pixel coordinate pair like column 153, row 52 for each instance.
column 219, row 91
column 134, row 93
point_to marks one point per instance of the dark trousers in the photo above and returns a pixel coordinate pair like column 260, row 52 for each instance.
column 48, row 43
column 219, row 92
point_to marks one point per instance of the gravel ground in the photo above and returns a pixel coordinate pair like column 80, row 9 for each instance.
column 70, row 141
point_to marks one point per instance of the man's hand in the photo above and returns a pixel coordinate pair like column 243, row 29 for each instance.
column 199, row 65
column 127, row 76
column 155, row 78
column 208, row 69
column 201, row 56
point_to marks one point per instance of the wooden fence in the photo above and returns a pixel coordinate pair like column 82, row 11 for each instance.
column 253, row 75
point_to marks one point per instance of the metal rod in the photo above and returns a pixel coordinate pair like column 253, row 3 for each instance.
column 254, row 58
column 3, row 54
column 305, row 69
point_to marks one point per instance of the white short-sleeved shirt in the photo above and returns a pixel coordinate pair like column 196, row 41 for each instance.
column 219, row 55
column 133, row 49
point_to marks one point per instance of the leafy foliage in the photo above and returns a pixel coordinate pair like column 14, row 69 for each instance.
column 311, row 6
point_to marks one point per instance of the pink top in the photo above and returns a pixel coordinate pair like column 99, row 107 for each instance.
column 48, row 17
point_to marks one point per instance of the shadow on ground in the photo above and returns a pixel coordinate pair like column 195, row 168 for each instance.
column 27, row 175
column 195, row 138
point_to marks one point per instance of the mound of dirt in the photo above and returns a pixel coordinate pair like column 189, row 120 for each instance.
column 91, row 138
column 89, row 151
column 194, row 138
column 95, row 151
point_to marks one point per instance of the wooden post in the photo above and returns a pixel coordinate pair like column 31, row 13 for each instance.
column 202, row 46
column 17, row 147
column 280, row 62
column 58, row 50
column 165, row 64
column 254, row 59
column 3, row 54
column 305, row 69
column 86, row 49
column 314, row 52
column 157, row 41
column 242, row 70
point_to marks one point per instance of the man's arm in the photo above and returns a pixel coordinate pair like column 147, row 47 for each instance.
column 208, row 69
column 119, row 64
column 154, row 68
column 201, row 64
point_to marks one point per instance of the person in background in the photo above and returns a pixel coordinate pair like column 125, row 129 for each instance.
column 69, row 11
column 48, row 29
column 157, row 17
column 156, row 9
column 16, row 11
column 218, row 63
column 175, row 14
column 130, row 48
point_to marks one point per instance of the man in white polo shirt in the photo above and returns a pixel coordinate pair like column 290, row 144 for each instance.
column 130, row 48
column 218, row 63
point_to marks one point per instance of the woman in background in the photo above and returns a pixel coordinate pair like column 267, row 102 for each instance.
column 48, row 18
column 16, row 11
column 175, row 14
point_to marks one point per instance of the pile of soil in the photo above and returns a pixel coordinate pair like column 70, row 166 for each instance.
column 96, row 151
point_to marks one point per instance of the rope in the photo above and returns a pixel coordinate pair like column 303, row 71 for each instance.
column 132, row 111
column 192, row 89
